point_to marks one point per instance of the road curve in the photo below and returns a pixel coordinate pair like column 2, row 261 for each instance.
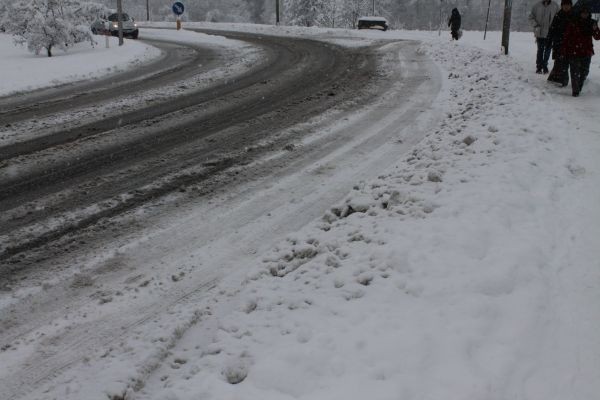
column 67, row 200
column 137, row 156
column 176, row 62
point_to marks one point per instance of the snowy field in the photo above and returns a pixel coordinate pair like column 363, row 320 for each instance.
column 469, row 271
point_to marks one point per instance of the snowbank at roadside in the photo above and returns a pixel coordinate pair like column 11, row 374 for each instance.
column 186, row 36
column 24, row 71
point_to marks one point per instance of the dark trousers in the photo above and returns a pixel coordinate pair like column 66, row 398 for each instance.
column 580, row 68
column 560, row 71
column 544, row 49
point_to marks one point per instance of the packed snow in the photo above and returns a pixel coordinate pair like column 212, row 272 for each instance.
column 469, row 270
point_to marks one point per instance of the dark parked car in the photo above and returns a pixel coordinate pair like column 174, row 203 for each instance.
column 373, row 23
column 110, row 25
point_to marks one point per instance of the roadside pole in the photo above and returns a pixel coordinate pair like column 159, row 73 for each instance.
column 487, row 17
column 120, row 20
column 277, row 12
column 506, row 25
column 440, row 25
column 178, row 9
column 147, row 10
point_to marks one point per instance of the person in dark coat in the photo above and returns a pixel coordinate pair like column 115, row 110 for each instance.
column 578, row 47
column 454, row 24
column 560, row 70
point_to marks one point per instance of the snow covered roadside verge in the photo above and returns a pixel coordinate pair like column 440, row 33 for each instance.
column 469, row 271
column 24, row 71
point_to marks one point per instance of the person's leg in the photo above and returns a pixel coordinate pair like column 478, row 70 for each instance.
column 575, row 75
column 564, row 70
column 584, row 70
column 546, row 56
column 539, row 60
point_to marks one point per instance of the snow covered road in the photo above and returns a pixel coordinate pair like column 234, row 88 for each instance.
column 104, row 284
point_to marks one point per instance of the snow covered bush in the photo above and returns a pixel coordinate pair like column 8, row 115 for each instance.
column 304, row 12
column 46, row 24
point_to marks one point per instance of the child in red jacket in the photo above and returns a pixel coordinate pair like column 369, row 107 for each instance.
column 577, row 46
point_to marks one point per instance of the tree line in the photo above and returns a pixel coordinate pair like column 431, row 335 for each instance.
column 49, row 24
column 401, row 14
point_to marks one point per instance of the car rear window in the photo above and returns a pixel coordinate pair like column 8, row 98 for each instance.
column 373, row 20
column 115, row 17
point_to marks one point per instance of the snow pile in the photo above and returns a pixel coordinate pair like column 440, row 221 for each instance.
column 443, row 278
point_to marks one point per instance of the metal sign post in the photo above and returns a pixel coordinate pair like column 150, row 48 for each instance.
column 178, row 9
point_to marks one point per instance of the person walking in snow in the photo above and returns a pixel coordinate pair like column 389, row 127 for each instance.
column 454, row 24
column 540, row 18
column 577, row 46
column 560, row 69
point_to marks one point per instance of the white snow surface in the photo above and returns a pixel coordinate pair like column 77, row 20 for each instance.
column 470, row 270
column 22, row 70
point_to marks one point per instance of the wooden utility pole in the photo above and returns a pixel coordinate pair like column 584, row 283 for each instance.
column 147, row 10
column 277, row 12
column 506, row 25
column 120, row 20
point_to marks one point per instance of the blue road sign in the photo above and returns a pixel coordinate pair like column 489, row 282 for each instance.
column 178, row 8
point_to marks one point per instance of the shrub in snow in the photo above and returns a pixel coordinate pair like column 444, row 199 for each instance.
column 46, row 24
column 235, row 372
